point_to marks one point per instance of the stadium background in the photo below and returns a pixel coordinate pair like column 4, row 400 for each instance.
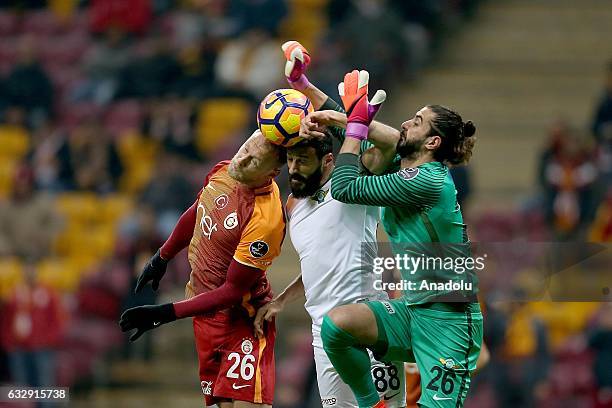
column 113, row 111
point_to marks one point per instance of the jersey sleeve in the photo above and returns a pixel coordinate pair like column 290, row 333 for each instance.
column 417, row 188
column 262, row 238
column 291, row 201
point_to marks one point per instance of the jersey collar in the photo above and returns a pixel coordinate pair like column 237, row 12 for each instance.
column 267, row 189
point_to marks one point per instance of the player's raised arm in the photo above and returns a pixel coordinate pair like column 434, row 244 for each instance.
column 377, row 157
column 417, row 188
column 298, row 60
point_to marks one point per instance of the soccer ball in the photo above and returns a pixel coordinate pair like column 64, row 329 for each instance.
column 279, row 116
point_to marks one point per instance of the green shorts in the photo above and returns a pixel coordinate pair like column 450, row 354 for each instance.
column 443, row 339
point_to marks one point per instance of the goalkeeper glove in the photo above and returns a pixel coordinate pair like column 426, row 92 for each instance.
column 153, row 271
column 145, row 318
column 298, row 59
column 359, row 111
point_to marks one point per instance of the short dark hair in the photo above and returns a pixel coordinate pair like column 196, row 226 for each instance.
column 322, row 145
column 457, row 136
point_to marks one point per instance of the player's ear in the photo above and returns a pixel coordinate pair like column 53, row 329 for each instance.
column 275, row 172
column 328, row 159
column 434, row 142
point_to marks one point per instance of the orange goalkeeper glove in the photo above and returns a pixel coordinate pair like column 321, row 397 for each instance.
column 298, row 60
column 359, row 111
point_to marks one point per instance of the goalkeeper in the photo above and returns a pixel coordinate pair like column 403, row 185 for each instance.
column 420, row 212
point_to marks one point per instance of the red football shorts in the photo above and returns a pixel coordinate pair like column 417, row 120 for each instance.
column 234, row 365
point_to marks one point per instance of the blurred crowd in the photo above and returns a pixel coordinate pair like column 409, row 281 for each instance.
column 575, row 175
column 110, row 119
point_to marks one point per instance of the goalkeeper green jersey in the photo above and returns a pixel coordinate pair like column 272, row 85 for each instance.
column 423, row 221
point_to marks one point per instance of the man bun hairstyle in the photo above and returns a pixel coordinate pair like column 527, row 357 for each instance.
column 457, row 136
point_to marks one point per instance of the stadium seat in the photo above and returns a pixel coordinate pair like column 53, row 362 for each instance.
column 90, row 241
column 306, row 29
column 78, row 207
column 563, row 319
column 138, row 157
column 217, row 119
column 59, row 274
column 133, row 148
column 136, row 177
column 14, row 141
column 10, row 276
column 7, row 169
column 114, row 207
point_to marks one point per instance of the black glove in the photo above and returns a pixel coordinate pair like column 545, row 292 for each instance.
column 153, row 271
column 145, row 318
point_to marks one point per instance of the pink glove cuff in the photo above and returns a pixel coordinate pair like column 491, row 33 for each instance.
column 299, row 84
column 357, row 130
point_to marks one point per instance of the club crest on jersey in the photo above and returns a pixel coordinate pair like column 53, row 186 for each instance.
column 206, row 387
column 259, row 249
column 409, row 173
column 246, row 346
column 221, row 201
column 231, row 221
column 319, row 196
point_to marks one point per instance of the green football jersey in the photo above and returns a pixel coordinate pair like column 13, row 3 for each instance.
column 422, row 218
column 424, row 223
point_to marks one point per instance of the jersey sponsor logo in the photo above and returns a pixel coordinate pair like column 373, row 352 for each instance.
column 389, row 397
column 206, row 387
column 436, row 398
column 231, row 221
column 329, row 401
column 237, row 387
column 388, row 307
column 449, row 364
column 246, row 346
column 259, row 249
column 409, row 173
column 221, row 201
column 207, row 225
